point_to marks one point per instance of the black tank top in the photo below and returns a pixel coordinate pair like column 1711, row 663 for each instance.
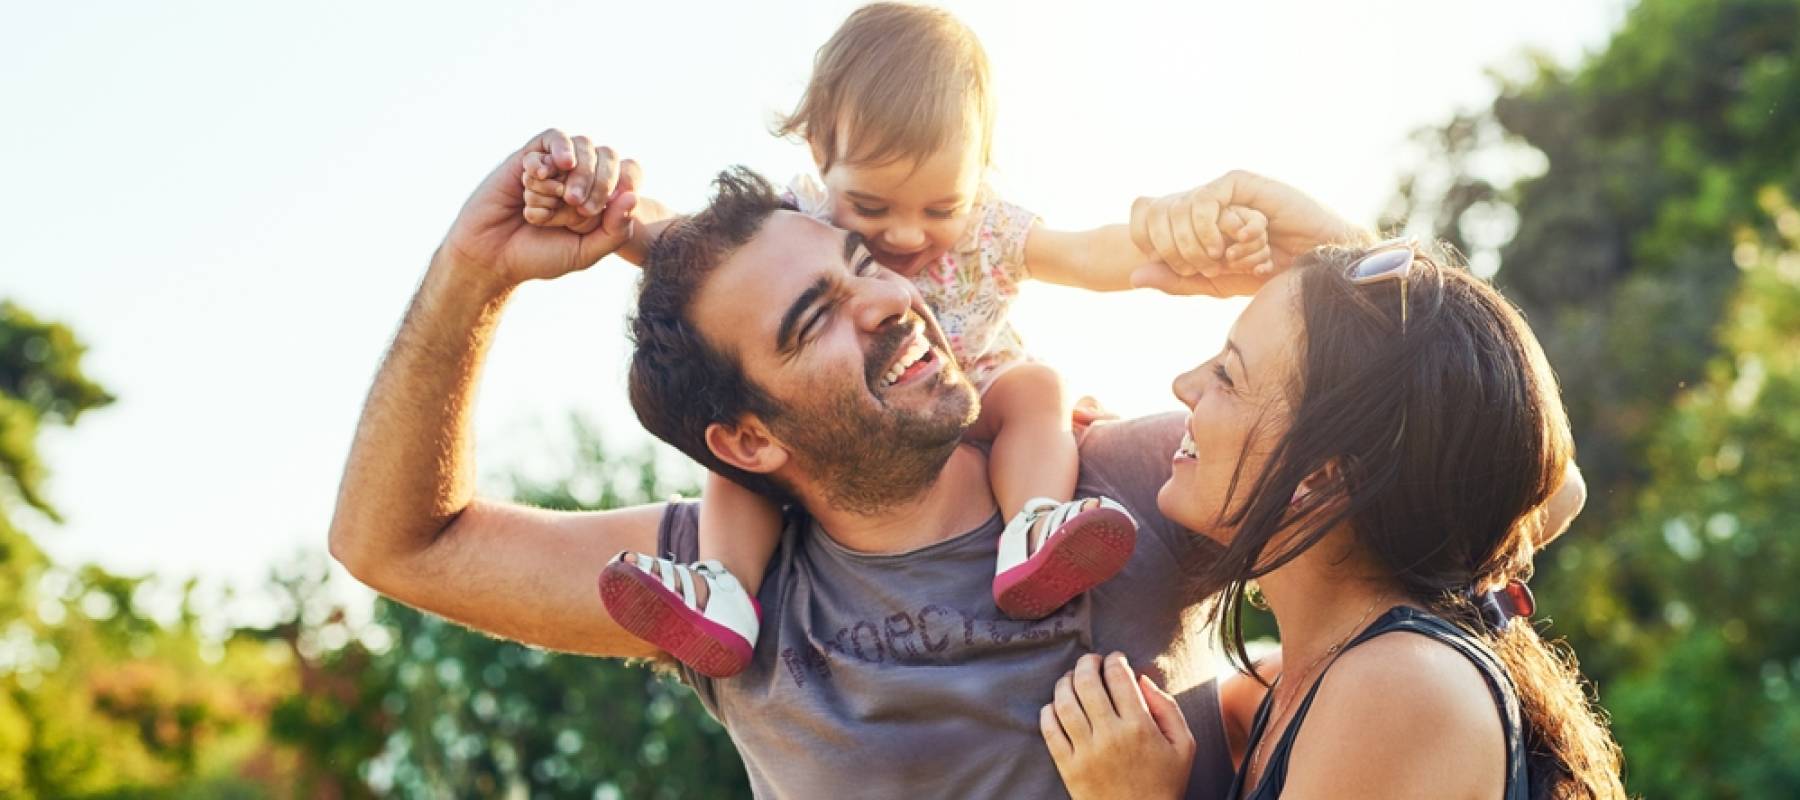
column 1400, row 618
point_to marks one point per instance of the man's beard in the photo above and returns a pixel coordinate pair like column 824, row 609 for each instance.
column 866, row 460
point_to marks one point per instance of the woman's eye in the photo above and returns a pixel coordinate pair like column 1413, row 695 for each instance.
column 867, row 211
column 1223, row 376
column 866, row 266
column 941, row 213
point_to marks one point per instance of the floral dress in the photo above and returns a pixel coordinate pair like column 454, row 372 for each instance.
column 972, row 286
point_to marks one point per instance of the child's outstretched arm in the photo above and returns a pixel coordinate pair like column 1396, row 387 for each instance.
column 1103, row 259
column 572, row 195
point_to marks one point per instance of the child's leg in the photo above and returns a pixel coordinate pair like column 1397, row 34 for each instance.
column 1034, row 448
column 738, row 528
column 1050, row 551
column 673, row 606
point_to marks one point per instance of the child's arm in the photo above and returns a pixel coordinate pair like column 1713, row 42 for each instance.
column 1103, row 259
column 573, row 197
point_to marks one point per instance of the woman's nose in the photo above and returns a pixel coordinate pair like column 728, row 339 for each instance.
column 1187, row 386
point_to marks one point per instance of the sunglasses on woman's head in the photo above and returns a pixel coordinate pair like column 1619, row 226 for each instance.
column 1389, row 260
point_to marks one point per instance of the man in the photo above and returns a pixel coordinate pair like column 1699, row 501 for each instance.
column 883, row 668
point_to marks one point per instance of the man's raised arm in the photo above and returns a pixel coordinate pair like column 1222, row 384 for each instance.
column 407, row 522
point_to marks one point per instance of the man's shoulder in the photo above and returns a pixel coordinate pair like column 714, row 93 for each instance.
column 1129, row 461
column 1131, row 450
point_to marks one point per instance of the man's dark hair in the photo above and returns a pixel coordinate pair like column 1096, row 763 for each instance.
column 680, row 383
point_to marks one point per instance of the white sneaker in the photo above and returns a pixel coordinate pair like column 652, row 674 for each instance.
column 1081, row 548
column 640, row 592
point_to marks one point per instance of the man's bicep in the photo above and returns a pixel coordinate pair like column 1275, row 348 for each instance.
column 529, row 575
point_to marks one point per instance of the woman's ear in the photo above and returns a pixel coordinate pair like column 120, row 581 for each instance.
column 747, row 445
column 1332, row 474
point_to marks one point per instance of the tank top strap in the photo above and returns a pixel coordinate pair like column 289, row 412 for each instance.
column 1398, row 618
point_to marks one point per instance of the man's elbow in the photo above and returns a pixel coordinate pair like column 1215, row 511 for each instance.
column 349, row 547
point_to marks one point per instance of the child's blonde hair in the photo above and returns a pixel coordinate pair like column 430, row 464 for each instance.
column 896, row 81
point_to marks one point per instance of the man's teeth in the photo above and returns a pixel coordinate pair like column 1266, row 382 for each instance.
column 1187, row 449
column 914, row 352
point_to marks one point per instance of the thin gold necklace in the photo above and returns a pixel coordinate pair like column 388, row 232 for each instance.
column 1269, row 729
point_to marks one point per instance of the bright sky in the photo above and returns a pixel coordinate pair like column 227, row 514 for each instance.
column 232, row 202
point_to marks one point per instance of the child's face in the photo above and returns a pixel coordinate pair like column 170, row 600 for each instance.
column 909, row 211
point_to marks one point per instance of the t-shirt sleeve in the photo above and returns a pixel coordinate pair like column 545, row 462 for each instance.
column 678, row 538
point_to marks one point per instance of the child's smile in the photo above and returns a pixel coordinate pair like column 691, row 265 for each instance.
column 910, row 211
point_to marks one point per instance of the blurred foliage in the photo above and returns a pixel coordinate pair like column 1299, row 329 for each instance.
column 41, row 382
column 1655, row 255
column 115, row 687
column 97, row 697
column 1693, row 593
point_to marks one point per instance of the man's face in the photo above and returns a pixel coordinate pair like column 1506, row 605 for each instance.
column 872, row 403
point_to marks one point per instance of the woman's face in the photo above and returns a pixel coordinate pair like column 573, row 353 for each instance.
column 1239, row 404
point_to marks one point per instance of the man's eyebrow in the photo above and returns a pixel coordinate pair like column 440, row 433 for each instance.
column 1231, row 346
column 784, row 335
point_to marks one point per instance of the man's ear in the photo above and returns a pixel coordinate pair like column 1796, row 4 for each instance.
column 747, row 445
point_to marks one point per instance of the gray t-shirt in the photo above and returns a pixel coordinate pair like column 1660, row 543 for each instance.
column 895, row 675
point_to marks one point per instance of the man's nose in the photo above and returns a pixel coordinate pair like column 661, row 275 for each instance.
column 879, row 301
column 1187, row 386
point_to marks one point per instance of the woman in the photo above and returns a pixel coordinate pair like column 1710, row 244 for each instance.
column 1375, row 448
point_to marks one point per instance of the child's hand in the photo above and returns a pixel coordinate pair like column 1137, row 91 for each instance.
column 1247, row 230
column 573, row 194
column 1247, row 264
column 1116, row 735
column 1086, row 412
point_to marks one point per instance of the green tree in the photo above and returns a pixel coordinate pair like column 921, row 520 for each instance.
column 1705, row 698
column 97, row 699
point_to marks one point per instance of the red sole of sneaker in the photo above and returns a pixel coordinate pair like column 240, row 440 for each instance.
column 641, row 605
column 1092, row 547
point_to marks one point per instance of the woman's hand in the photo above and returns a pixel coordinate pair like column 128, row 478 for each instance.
column 1115, row 734
column 1186, row 232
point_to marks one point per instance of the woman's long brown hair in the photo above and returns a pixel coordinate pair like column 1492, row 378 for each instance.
column 1447, row 440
